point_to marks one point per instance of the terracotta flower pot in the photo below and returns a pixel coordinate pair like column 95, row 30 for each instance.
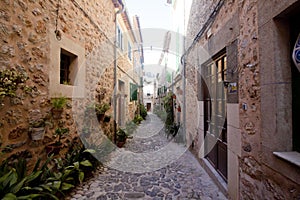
column 106, row 119
column 56, row 113
column 120, row 144
column 100, row 117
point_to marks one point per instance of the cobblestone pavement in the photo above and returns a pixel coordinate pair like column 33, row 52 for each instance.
column 150, row 166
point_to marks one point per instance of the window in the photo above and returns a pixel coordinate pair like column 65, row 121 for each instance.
column 129, row 51
column 119, row 38
column 280, row 83
column 67, row 60
column 295, row 31
column 215, row 113
column 66, row 68
column 162, row 90
column 215, row 74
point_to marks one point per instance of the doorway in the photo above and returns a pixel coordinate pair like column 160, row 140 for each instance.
column 148, row 107
column 215, row 114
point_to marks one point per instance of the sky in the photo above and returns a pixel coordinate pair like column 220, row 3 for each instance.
column 155, row 18
column 152, row 13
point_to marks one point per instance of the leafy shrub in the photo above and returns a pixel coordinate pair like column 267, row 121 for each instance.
column 16, row 184
column 101, row 108
column 143, row 111
column 51, row 180
column 168, row 106
column 137, row 119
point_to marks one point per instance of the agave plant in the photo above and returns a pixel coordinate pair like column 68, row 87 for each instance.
column 15, row 184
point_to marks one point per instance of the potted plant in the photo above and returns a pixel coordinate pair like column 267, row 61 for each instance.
column 121, row 137
column 56, row 146
column 58, row 105
column 60, row 132
column 107, row 118
column 101, row 109
column 138, row 119
column 37, row 129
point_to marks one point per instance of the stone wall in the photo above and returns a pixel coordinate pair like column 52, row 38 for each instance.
column 220, row 35
column 258, row 123
column 127, row 74
column 202, row 52
column 250, row 120
column 25, row 31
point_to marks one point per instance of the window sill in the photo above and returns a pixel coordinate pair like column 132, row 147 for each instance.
column 291, row 157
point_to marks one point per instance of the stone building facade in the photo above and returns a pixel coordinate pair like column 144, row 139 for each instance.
column 36, row 38
column 241, row 77
column 129, row 66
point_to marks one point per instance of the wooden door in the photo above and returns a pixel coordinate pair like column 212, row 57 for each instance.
column 215, row 120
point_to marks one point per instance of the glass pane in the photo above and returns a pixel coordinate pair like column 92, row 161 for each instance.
column 213, row 69
column 219, row 65
column 220, row 77
column 225, row 63
column 225, row 68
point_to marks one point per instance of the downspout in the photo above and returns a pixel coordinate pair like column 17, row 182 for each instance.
column 115, row 70
column 183, row 61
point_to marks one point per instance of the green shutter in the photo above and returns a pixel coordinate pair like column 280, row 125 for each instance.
column 133, row 92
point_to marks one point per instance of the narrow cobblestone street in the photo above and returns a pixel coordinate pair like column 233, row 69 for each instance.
column 80, row 81
column 150, row 166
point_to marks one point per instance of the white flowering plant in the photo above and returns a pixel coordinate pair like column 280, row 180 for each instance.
column 10, row 81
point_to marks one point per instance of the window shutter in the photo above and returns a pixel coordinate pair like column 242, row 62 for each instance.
column 133, row 92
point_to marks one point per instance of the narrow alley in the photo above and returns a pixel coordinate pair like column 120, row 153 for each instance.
column 181, row 178
column 140, row 99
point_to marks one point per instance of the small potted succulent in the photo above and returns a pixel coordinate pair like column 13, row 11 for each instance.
column 100, row 110
column 58, row 106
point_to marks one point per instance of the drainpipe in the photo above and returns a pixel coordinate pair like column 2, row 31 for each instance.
column 184, row 100
column 115, row 70
column 183, row 61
